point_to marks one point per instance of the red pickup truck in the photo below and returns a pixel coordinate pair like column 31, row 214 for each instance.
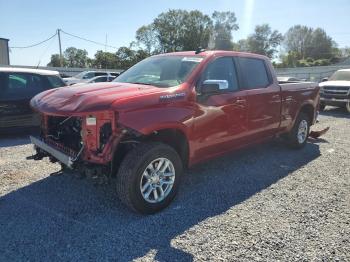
column 169, row 112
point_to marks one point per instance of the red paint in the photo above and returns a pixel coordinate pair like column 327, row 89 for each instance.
column 212, row 127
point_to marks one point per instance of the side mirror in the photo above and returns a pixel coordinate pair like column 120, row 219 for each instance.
column 213, row 86
column 324, row 79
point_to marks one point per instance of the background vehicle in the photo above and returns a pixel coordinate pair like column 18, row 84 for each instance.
column 87, row 75
column 98, row 79
column 169, row 112
column 17, row 87
column 336, row 90
column 288, row 79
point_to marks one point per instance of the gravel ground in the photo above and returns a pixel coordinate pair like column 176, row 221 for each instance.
column 266, row 203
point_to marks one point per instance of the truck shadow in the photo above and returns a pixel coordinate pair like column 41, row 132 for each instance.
column 64, row 218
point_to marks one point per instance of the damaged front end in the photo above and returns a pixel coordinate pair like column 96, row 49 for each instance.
column 82, row 143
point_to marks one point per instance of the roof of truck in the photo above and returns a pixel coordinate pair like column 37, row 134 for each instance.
column 213, row 52
column 28, row 70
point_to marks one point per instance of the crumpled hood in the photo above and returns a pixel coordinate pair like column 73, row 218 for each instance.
column 87, row 97
column 335, row 83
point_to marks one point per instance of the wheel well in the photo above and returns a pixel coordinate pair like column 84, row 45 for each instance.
column 310, row 111
column 172, row 137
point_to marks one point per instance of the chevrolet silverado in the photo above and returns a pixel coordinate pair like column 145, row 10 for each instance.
column 167, row 113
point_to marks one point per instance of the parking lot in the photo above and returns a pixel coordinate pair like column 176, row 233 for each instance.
column 263, row 203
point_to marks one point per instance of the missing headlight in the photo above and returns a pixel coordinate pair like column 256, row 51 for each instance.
column 105, row 134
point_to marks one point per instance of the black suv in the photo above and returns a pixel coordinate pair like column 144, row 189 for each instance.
column 17, row 87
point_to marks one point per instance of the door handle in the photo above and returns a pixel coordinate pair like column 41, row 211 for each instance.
column 239, row 101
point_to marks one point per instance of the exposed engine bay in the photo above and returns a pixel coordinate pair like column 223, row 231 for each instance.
column 66, row 131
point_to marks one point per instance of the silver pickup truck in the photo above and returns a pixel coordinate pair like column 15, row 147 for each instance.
column 336, row 90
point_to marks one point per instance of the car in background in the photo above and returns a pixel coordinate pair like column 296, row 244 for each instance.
column 87, row 75
column 288, row 79
column 97, row 79
column 17, row 87
column 336, row 90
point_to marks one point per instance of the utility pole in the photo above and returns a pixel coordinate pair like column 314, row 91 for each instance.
column 59, row 43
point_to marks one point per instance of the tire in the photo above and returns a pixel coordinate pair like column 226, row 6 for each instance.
column 294, row 138
column 322, row 107
column 135, row 173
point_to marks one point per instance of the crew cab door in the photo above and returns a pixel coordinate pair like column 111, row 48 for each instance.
column 263, row 98
column 16, row 90
column 221, row 117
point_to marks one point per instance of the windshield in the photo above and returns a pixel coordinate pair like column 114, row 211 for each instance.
column 160, row 71
column 340, row 76
column 85, row 75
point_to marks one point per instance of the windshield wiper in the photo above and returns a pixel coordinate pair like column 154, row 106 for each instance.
column 140, row 83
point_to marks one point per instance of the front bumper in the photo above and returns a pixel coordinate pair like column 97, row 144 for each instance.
column 61, row 157
column 333, row 99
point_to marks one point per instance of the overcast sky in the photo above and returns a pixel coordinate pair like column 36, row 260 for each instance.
column 30, row 21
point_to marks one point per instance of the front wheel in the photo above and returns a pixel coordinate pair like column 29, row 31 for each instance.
column 297, row 137
column 148, row 177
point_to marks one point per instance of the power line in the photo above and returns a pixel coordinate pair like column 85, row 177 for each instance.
column 47, row 48
column 22, row 47
column 91, row 41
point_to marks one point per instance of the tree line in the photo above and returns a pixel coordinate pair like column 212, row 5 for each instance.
column 181, row 30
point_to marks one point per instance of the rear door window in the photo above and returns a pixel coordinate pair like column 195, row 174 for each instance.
column 89, row 75
column 254, row 73
column 55, row 81
column 100, row 74
column 21, row 85
column 100, row 79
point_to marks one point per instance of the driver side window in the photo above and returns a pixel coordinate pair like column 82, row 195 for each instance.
column 222, row 68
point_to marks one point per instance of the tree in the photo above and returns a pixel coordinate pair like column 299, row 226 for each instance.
column 321, row 45
column 197, row 30
column 310, row 43
column 146, row 36
column 55, row 61
column 176, row 30
column 345, row 51
column 105, row 60
column 264, row 41
column 169, row 30
column 76, row 57
column 298, row 40
column 241, row 45
column 224, row 24
column 127, row 57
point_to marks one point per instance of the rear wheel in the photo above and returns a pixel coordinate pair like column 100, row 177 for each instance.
column 148, row 177
column 297, row 137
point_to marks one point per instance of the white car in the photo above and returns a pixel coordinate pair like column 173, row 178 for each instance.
column 87, row 75
column 97, row 79
column 336, row 91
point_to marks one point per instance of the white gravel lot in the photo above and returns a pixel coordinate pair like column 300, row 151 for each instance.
column 266, row 203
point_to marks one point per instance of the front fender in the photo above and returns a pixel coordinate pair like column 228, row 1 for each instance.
column 146, row 121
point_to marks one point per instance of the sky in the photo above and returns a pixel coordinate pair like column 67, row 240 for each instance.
column 30, row 21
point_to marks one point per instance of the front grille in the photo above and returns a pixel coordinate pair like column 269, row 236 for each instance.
column 61, row 148
column 336, row 90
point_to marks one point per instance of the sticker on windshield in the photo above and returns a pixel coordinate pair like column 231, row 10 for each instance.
column 192, row 59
